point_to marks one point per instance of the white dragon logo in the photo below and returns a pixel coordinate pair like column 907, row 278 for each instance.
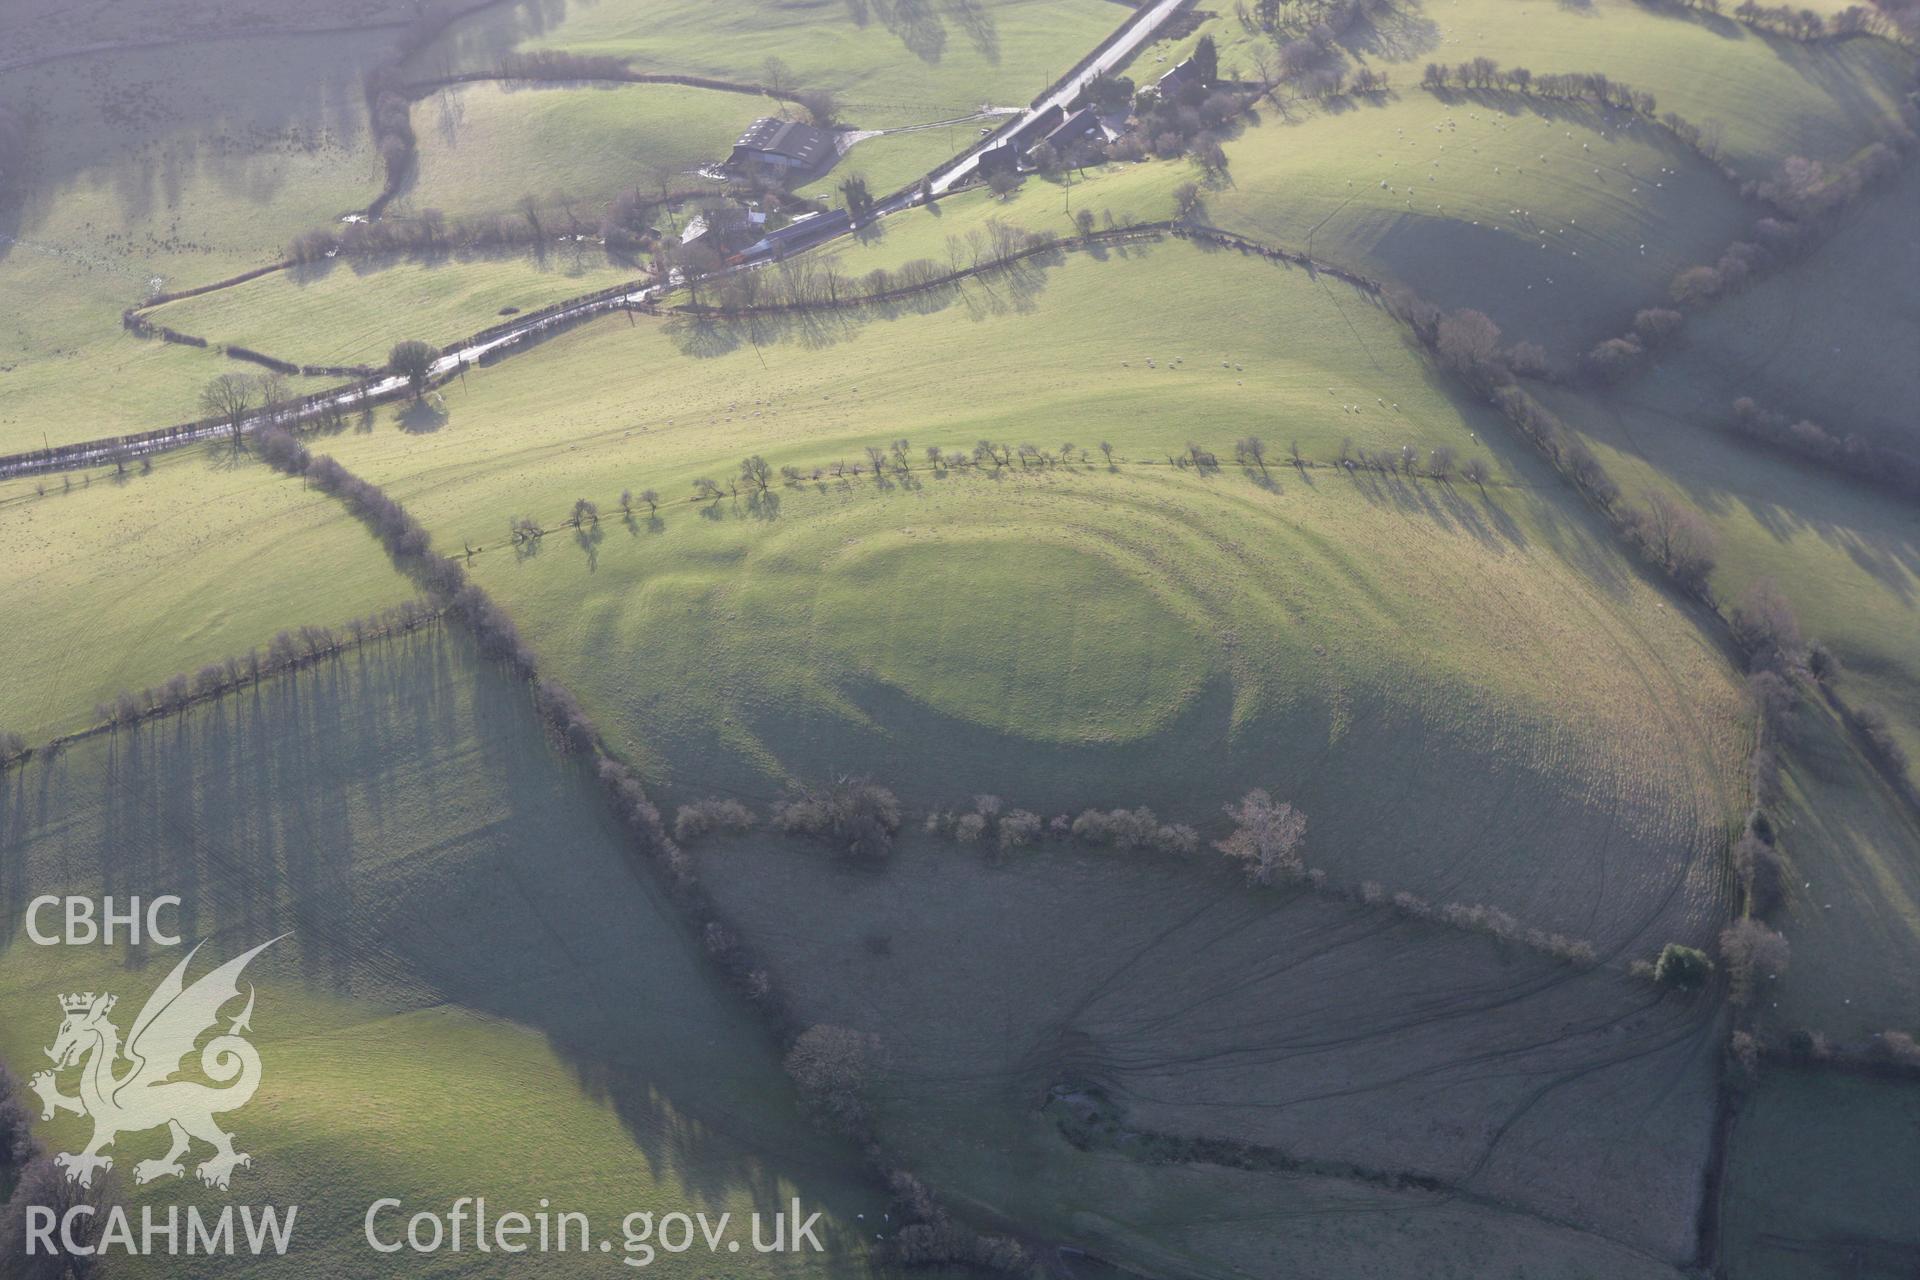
column 147, row 1096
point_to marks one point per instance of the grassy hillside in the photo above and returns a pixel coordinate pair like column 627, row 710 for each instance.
column 117, row 582
column 1759, row 97
column 1094, row 634
column 479, row 993
column 1845, row 559
column 341, row 313
column 484, row 146
column 1853, row 899
column 889, row 62
column 1813, row 339
column 72, row 30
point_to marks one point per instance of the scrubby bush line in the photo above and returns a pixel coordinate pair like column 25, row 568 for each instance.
column 1849, row 454
column 1809, row 26
column 1805, row 201
column 807, row 284
column 261, row 358
column 1485, row 76
column 1891, row 1054
column 1669, row 538
column 1088, row 1118
column 1808, row 199
column 1265, row 842
column 33, row 1180
column 1310, row 58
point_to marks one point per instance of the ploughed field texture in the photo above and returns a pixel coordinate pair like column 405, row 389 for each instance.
column 480, row 990
column 1398, row 1098
column 1821, row 1169
column 1471, row 693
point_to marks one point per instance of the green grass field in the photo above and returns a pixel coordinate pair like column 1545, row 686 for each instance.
column 1472, row 691
column 1822, row 1172
column 119, row 582
column 483, row 147
column 1309, row 1029
column 480, row 991
column 1759, row 98
column 344, row 313
column 1811, row 340
column 891, row 63
column 1557, row 225
column 1845, row 559
column 964, row 633
column 158, row 171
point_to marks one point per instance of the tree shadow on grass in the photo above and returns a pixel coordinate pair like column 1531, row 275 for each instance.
column 588, row 537
column 396, row 811
column 418, row 417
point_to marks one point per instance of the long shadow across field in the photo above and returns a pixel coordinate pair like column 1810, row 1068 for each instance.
column 398, row 812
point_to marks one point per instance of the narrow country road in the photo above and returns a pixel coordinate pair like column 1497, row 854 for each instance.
column 1138, row 30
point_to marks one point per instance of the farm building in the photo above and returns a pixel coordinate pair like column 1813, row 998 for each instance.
column 724, row 226
column 1008, row 153
column 1075, row 132
column 1184, row 74
column 784, row 146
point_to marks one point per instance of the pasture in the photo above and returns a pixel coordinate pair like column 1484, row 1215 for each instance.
column 1557, row 223
column 1093, row 633
column 1388, row 1126
column 889, row 63
column 352, row 312
column 1822, row 1179
column 1848, row 561
column 480, row 991
column 1758, row 97
column 1846, row 557
column 1814, row 339
column 159, row 170
column 116, row 582
column 484, row 147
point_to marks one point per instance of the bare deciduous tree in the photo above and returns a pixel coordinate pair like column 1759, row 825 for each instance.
column 1267, row 837
column 1750, row 949
column 227, row 399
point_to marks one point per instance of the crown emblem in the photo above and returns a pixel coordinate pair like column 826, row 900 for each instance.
column 78, row 1003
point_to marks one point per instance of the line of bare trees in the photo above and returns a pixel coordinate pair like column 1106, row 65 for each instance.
column 1808, row 25
column 1850, row 454
column 1480, row 918
column 1486, row 75
column 289, row 650
column 1468, row 343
